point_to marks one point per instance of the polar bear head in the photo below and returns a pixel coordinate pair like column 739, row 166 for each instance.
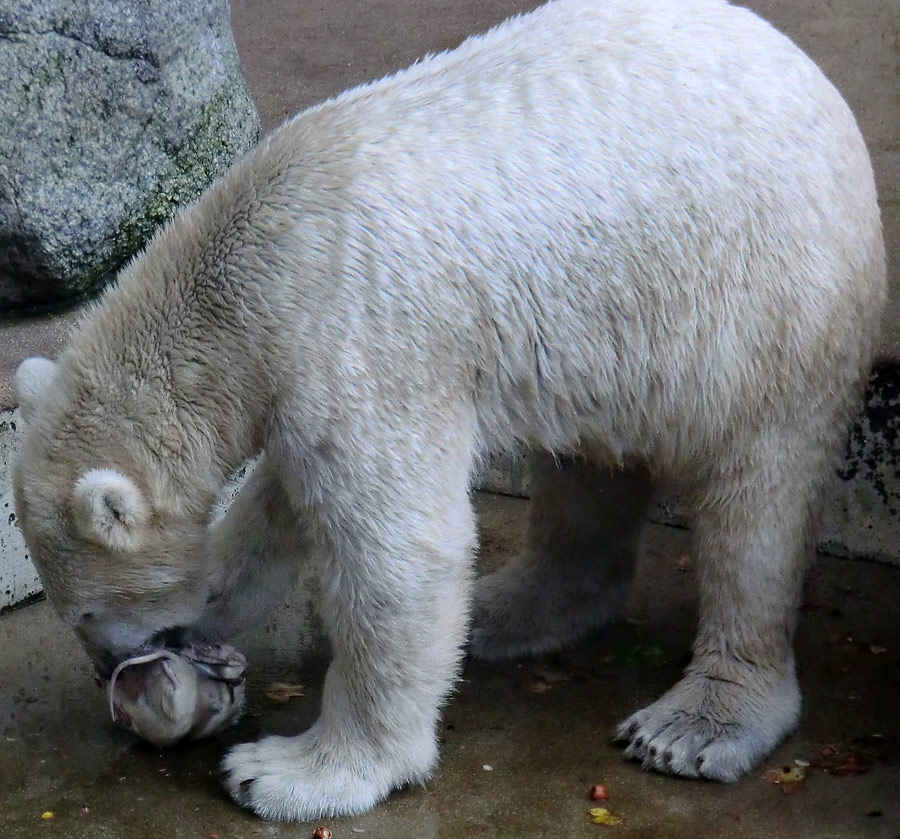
column 120, row 557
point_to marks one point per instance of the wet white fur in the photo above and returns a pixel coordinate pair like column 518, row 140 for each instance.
column 641, row 234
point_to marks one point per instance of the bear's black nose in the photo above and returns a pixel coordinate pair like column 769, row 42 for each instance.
column 104, row 664
column 173, row 637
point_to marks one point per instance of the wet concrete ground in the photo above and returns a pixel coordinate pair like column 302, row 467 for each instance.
column 542, row 726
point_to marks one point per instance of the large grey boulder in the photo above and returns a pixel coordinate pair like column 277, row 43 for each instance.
column 113, row 113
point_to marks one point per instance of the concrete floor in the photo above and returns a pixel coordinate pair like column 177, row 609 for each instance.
column 543, row 726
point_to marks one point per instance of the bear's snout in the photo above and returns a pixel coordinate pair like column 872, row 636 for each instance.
column 108, row 642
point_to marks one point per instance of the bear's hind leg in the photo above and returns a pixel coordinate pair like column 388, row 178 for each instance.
column 584, row 531
column 739, row 696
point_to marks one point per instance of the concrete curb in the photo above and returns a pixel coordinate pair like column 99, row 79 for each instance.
column 18, row 579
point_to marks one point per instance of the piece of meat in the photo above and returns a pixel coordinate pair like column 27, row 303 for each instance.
column 169, row 695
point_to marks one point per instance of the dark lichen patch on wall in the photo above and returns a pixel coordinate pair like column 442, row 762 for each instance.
column 873, row 446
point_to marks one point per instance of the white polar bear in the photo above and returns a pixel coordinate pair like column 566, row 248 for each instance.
column 639, row 234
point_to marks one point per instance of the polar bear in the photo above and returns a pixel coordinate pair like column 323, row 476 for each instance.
column 640, row 236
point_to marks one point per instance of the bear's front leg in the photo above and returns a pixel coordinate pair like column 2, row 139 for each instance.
column 395, row 587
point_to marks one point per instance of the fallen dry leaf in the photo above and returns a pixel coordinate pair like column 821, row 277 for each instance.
column 601, row 815
column 550, row 675
column 842, row 764
column 789, row 778
column 283, row 692
column 854, row 758
column 543, row 679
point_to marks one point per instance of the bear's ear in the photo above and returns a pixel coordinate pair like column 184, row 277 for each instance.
column 110, row 510
column 32, row 379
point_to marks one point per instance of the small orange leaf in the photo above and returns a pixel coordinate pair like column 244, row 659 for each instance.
column 789, row 778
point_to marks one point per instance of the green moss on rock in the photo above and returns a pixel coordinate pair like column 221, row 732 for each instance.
column 108, row 125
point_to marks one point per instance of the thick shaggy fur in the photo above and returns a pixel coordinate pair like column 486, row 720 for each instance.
column 639, row 234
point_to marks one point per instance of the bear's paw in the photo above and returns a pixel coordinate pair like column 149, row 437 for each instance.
column 713, row 728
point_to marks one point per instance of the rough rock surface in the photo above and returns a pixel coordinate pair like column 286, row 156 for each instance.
column 112, row 115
